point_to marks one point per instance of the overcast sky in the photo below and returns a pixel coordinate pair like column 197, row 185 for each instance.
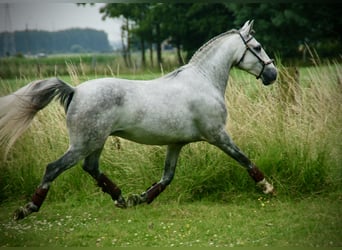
column 56, row 16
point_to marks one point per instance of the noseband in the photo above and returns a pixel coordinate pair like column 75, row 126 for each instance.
column 262, row 61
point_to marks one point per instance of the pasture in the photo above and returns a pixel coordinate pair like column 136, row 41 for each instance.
column 291, row 130
column 241, row 220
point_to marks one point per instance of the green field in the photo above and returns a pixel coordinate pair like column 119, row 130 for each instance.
column 245, row 220
column 291, row 130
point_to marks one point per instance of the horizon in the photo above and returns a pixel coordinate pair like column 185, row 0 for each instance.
column 47, row 17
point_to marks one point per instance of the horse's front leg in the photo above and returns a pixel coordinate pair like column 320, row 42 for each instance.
column 225, row 143
column 169, row 171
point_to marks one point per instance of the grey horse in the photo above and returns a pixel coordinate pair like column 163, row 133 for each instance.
column 184, row 106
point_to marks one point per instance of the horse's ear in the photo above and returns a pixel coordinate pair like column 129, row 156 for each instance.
column 247, row 28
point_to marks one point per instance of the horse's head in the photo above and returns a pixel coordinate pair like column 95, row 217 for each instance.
column 253, row 58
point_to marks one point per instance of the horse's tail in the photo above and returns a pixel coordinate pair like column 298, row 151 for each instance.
column 18, row 109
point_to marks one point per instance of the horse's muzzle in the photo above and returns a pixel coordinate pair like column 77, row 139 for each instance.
column 269, row 75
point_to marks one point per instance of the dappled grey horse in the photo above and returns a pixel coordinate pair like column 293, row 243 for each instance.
column 184, row 106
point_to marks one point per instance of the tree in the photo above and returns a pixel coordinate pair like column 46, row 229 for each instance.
column 285, row 26
column 135, row 23
column 205, row 20
column 176, row 25
column 156, row 22
column 281, row 27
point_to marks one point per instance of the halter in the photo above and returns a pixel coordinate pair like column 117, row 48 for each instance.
column 263, row 62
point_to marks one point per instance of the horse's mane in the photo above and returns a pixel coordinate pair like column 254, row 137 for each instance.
column 207, row 44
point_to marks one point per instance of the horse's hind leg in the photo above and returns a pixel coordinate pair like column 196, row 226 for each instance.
column 91, row 166
column 53, row 170
column 225, row 143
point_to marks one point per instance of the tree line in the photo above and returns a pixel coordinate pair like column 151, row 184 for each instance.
column 286, row 29
column 65, row 41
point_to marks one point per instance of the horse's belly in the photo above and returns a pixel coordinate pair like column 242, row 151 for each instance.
column 157, row 137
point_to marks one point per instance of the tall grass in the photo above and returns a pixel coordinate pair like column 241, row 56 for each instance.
column 296, row 137
column 86, row 64
column 291, row 130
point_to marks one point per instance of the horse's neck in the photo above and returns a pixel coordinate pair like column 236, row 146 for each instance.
column 215, row 60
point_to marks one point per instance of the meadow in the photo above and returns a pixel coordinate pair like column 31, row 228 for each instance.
column 291, row 130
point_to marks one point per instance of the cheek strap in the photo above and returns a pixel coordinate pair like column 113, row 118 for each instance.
column 248, row 48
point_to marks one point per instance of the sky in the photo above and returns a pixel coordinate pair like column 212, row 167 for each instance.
column 57, row 16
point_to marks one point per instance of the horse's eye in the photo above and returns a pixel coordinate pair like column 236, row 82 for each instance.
column 257, row 48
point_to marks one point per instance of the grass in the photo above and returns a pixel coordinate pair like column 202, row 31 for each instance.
column 291, row 130
column 84, row 64
column 295, row 140
column 244, row 221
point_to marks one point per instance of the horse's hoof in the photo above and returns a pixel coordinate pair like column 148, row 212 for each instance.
column 134, row 200
column 25, row 211
column 266, row 187
column 20, row 213
column 121, row 203
column 272, row 192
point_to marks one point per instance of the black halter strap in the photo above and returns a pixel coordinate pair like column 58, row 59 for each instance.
column 248, row 48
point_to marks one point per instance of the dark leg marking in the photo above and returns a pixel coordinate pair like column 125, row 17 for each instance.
column 39, row 197
column 91, row 166
column 108, row 186
column 154, row 191
column 112, row 189
column 256, row 174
